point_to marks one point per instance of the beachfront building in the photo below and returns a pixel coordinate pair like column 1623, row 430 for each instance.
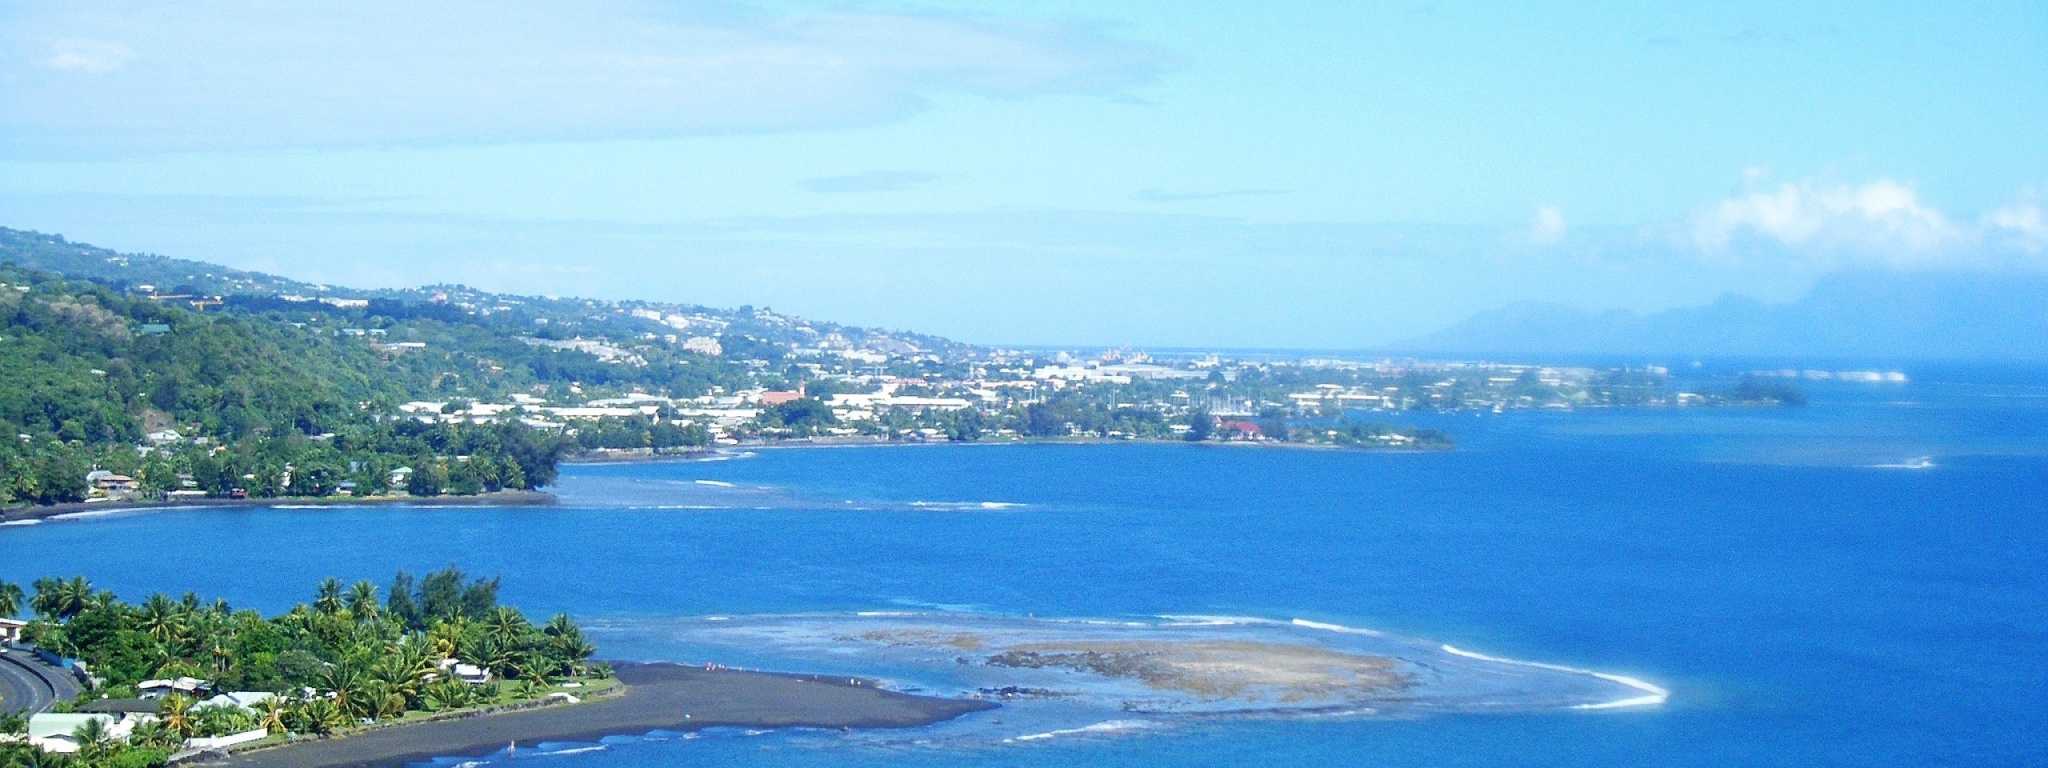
column 10, row 631
column 53, row 732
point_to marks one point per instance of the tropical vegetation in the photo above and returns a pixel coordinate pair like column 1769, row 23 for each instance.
column 354, row 655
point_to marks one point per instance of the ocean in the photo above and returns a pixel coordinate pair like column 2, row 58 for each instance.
column 1863, row 581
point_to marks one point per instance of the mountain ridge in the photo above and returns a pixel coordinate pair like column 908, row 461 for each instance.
column 1886, row 315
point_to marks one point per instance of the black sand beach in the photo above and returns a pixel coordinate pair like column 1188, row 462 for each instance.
column 660, row 697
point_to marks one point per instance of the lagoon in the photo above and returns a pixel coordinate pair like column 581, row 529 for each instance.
column 1806, row 587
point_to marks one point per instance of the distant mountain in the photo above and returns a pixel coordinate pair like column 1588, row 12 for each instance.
column 1862, row 314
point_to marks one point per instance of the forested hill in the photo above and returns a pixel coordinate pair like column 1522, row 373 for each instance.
column 193, row 377
column 234, row 401
column 743, row 328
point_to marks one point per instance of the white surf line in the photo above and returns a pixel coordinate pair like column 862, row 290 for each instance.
column 1338, row 628
column 715, row 483
column 1107, row 726
column 1652, row 694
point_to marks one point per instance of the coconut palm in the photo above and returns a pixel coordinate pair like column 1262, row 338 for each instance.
column 506, row 624
column 154, row 734
column 449, row 694
column 94, row 740
column 13, row 723
column 319, row 716
column 62, row 599
column 362, row 600
column 272, row 714
column 161, row 619
column 10, row 598
column 221, row 720
column 327, row 600
column 175, row 712
column 347, row 682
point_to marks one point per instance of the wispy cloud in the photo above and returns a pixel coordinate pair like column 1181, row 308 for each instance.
column 1547, row 227
column 871, row 181
column 2021, row 224
column 94, row 56
column 123, row 78
column 1162, row 196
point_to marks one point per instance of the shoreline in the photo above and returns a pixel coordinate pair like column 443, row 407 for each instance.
column 705, row 454
column 494, row 499
column 657, row 697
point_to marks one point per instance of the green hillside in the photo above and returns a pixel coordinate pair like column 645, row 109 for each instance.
column 87, row 373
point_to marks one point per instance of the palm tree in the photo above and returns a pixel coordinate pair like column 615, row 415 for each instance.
column 45, row 601
column 273, row 714
column 162, row 619
column 320, row 716
column 62, row 599
column 449, row 694
column 508, row 625
column 362, row 600
column 154, row 733
column 347, row 683
column 94, row 740
column 10, row 598
column 565, row 642
column 327, row 600
column 175, row 712
column 13, row 723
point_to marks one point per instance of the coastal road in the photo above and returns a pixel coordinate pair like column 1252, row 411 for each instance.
column 27, row 683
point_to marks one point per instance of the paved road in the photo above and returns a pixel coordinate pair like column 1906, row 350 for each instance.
column 27, row 683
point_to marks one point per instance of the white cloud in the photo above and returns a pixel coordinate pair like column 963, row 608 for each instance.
column 1882, row 217
column 94, row 56
column 1548, row 227
column 239, row 74
column 2020, row 224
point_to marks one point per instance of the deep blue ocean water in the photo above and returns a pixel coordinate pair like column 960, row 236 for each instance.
column 1805, row 603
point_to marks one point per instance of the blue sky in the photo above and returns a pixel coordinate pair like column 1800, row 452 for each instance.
column 1184, row 174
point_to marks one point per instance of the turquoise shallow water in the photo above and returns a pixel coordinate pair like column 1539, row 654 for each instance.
column 1805, row 604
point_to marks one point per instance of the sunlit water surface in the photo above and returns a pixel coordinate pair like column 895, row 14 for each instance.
column 1860, row 582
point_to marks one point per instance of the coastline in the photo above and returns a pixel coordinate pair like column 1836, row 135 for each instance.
column 703, row 454
column 494, row 498
column 658, row 696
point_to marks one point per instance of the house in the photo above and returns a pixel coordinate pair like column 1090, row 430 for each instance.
column 52, row 732
column 468, row 673
column 110, row 483
column 10, row 631
column 121, row 707
column 163, row 436
column 779, row 398
column 189, row 687
column 243, row 699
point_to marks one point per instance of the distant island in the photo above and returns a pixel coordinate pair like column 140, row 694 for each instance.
column 139, row 378
column 1868, row 314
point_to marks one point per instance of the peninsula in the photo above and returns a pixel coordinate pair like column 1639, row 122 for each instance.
column 134, row 377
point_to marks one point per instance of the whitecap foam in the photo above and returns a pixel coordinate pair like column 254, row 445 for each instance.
column 22, row 522
column 570, row 751
column 1105, row 727
column 1338, row 628
column 1652, row 694
column 715, row 483
column 1917, row 462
